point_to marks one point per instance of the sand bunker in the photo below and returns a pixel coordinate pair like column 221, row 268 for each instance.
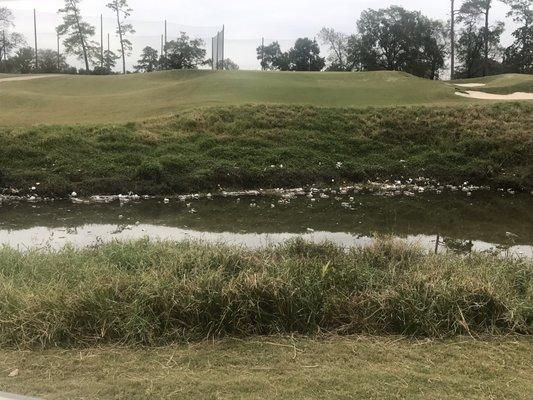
column 472, row 94
column 470, row 85
column 25, row 78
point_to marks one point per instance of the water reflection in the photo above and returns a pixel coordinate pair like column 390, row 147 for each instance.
column 481, row 222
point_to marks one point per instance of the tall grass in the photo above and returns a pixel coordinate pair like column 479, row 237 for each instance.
column 155, row 293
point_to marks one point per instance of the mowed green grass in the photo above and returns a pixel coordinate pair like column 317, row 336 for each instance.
column 104, row 99
column 291, row 368
column 502, row 84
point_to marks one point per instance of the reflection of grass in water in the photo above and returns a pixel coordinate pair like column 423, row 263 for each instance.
column 484, row 216
column 459, row 246
column 155, row 293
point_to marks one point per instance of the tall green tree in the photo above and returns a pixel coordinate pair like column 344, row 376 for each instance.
column 400, row 40
column 228, row 65
column 9, row 41
column 24, row 60
column 519, row 55
column 269, row 56
column 480, row 9
column 471, row 51
column 77, row 34
column 183, row 53
column 50, row 62
column 149, row 60
column 305, row 56
column 122, row 11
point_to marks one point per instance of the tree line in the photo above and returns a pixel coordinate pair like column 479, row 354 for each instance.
column 391, row 38
column 397, row 39
column 78, row 40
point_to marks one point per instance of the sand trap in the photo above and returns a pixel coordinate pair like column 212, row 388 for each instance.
column 25, row 78
column 470, row 85
column 472, row 94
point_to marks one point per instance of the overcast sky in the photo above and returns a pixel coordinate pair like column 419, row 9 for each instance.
column 246, row 20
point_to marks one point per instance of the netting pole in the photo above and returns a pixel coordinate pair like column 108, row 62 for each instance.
column 4, row 51
column 35, row 34
column 223, row 43
column 213, row 56
column 262, row 54
column 108, row 51
column 452, row 41
column 166, row 37
column 58, row 55
column 101, row 41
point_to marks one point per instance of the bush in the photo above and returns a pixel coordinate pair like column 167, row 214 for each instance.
column 150, row 170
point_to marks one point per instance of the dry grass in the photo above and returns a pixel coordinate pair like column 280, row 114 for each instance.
column 159, row 293
column 281, row 368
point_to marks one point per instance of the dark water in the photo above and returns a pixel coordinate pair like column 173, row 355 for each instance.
column 484, row 221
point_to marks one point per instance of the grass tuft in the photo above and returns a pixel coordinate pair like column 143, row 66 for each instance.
column 157, row 293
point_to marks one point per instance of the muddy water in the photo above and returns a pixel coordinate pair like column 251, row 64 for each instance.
column 483, row 221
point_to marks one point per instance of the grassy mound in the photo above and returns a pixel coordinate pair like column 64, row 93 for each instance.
column 136, row 97
column 272, row 146
column 502, row 84
column 156, row 293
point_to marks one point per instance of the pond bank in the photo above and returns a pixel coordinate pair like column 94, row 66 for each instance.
column 267, row 146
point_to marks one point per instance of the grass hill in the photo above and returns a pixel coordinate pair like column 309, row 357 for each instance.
column 103, row 99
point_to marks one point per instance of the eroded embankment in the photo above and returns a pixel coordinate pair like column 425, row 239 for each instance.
column 273, row 146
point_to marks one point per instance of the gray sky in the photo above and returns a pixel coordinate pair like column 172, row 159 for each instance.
column 246, row 20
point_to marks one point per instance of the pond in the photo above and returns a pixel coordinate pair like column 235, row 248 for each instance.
column 482, row 221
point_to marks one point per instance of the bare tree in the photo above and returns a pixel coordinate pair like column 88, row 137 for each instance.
column 338, row 44
column 123, row 11
column 6, row 18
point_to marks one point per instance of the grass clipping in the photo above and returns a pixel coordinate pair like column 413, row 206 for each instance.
column 157, row 293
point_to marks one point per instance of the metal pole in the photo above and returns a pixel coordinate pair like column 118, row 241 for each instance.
column 35, row 33
column 108, row 51
column 102, row 40
column 166, row 37
column 3, row 52
column 213, row 55
column 452, row 41
column 223, row 44
column 58, row 55
column 263, row 54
